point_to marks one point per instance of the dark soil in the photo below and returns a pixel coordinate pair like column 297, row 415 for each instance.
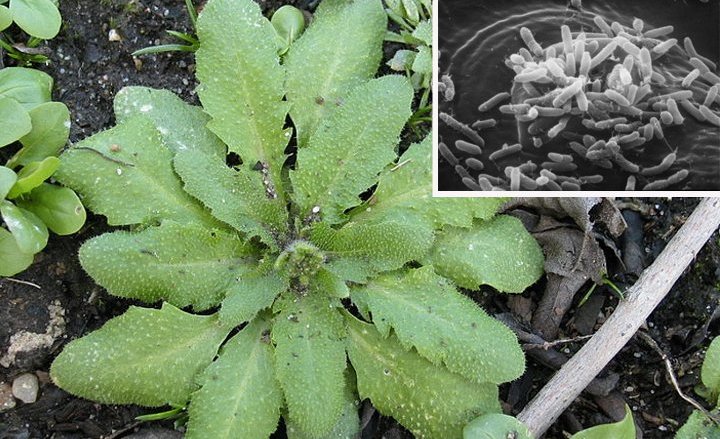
column 89, row 69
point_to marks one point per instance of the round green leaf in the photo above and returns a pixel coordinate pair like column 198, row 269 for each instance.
column 29, row 231
column 58, row 207
column 12, row 260
column 624, row 429
column 8, row 177
column 39, row 18
column 33, row 175
column 289, row 23
column 6, row 18
column 29, row 87
column 496, row 425
column 50, row 131
column 14, row 121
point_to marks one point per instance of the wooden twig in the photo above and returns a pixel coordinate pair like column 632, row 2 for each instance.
column 641, row 299
column 549, row 344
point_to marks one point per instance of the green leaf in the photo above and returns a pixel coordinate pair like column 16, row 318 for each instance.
column 149, row 357
column 424, row 32
column 235, row 196
column 8, row 177
column 289, row 23
column 33, row 175
column 58, row 207
column 699, row 426
column 29, row 231
column 347, row 427
column 181, row 125
column 496, row 426
column 310, row 360
column 407, row 187
column 29, row 87
column 12, row 259
column 6, row 18
column 319, row 75
column 498, row 252
column 710, row 372
column 429, row 400
column 423, row 61
column 624, row 429
column 249, row 295
column 14, row 121
column 328, row 283
column 239, row 397
column 184, row 264
column 50, row 131
column 130, row 163
column 360, row 249
column 346, row 154
column 402, row 60
column 428, row 313
column 242, row 83
column 411, row 11
column 38, row 18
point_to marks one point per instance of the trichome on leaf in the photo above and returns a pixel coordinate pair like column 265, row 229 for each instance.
column 334, row 296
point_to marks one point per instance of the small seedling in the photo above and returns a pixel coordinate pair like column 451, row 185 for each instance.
column 28, row 205
column 414, row 19
column 40, row 19
column 187, row 41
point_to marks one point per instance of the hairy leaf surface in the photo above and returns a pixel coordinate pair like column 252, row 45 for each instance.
column 319, row 74
column 242, row 83
column 130, row 163
column 408, row 187
column 146, row 356
column 428, row 313
column 239, row 397
column 184, row 264
column 495, row 426
column 347, row 427
column 310, row 360
column 250, row 294
column 699, row 426
column 235, row 196
column 710, row 372
column 181, row 125
column 345, row 155
column 430, row 401
column 360, row 249
column 498, row 252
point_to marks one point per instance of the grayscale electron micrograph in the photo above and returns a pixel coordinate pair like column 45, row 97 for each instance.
column 579, row 95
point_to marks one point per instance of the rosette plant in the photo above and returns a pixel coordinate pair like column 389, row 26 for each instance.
column 297, row 273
